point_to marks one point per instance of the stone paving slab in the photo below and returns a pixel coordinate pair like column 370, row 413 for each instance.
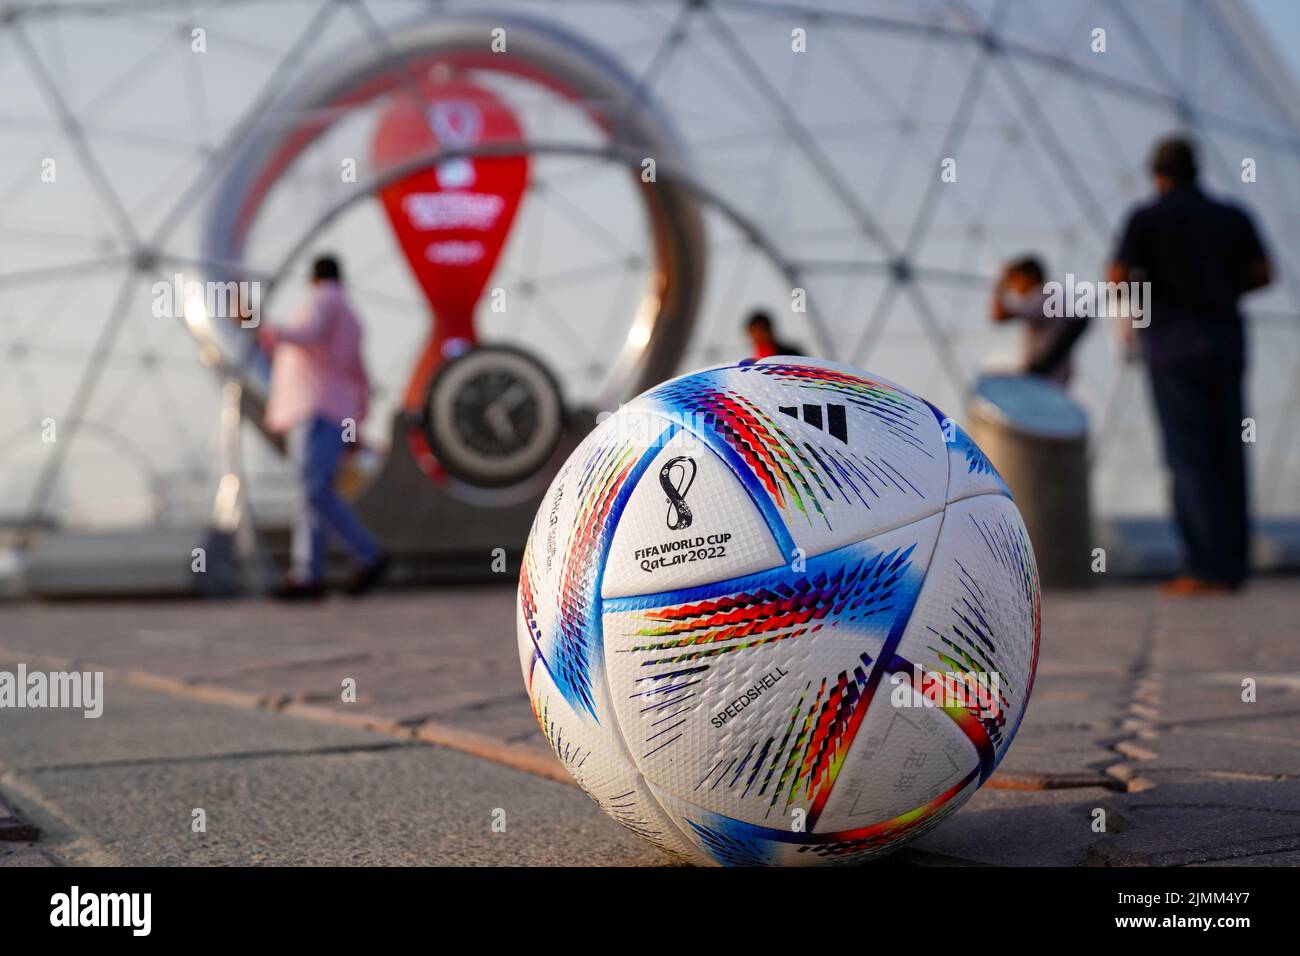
column 1179, row 824
column 23, row 855
column 1079, row 701
column 1212, row 700
column 145, row 723
column 1186, row 754
column 1284, row 858
column 1270, row 727
column 1016, row 828
column 1057, row 752
column 412, row 806
column 279, row 791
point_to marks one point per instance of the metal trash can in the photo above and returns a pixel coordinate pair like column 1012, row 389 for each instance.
column 1037, row 438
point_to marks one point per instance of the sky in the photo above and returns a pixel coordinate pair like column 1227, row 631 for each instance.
column 1281, row 19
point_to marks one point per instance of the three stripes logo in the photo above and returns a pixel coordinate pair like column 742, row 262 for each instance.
column 835, row 419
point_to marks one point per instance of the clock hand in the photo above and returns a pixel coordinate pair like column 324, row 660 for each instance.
column 502, row 426
column 513, row 396
column 497, row 411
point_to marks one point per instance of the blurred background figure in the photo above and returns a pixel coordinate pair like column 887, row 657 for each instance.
column 1019, row 296
column 761, row 333
column 319, row 397
column 1199, row 256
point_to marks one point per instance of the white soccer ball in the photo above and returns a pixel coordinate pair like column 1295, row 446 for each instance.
column 779, row 612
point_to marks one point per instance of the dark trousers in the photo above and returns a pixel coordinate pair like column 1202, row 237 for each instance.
column 1199, row 404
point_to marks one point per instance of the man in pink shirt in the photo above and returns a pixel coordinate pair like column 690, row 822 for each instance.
column 319, row 395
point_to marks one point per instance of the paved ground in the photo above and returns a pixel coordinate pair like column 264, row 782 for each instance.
column 274, row 790
column 236, row 708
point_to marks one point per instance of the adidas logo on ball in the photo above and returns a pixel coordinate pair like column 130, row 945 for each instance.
column 836, row 418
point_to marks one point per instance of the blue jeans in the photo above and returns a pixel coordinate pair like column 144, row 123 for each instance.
column 315, row 446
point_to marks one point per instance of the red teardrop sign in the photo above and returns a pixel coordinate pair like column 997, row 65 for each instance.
column 452, row 219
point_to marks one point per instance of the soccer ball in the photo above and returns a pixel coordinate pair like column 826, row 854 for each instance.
column 778, row 612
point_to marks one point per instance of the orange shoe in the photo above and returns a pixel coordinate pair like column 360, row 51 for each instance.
column 1187, row 586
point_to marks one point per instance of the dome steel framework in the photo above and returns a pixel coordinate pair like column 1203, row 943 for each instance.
column 822, row 169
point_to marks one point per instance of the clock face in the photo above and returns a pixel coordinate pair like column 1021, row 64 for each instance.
column 494, row 416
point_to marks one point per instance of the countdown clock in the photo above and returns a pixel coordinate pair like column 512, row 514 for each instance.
column 493, row 416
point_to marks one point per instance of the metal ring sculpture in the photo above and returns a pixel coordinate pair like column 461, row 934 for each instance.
column 537, row 51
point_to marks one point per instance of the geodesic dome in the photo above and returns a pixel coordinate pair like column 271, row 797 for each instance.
column 829, row 160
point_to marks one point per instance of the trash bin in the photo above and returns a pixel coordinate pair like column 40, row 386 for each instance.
column 1037, row 438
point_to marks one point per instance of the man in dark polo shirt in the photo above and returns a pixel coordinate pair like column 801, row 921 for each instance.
column 1200, row 256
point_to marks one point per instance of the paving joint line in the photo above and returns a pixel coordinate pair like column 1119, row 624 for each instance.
column 193, row 759
column 1139, row 728
column 527, row 759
